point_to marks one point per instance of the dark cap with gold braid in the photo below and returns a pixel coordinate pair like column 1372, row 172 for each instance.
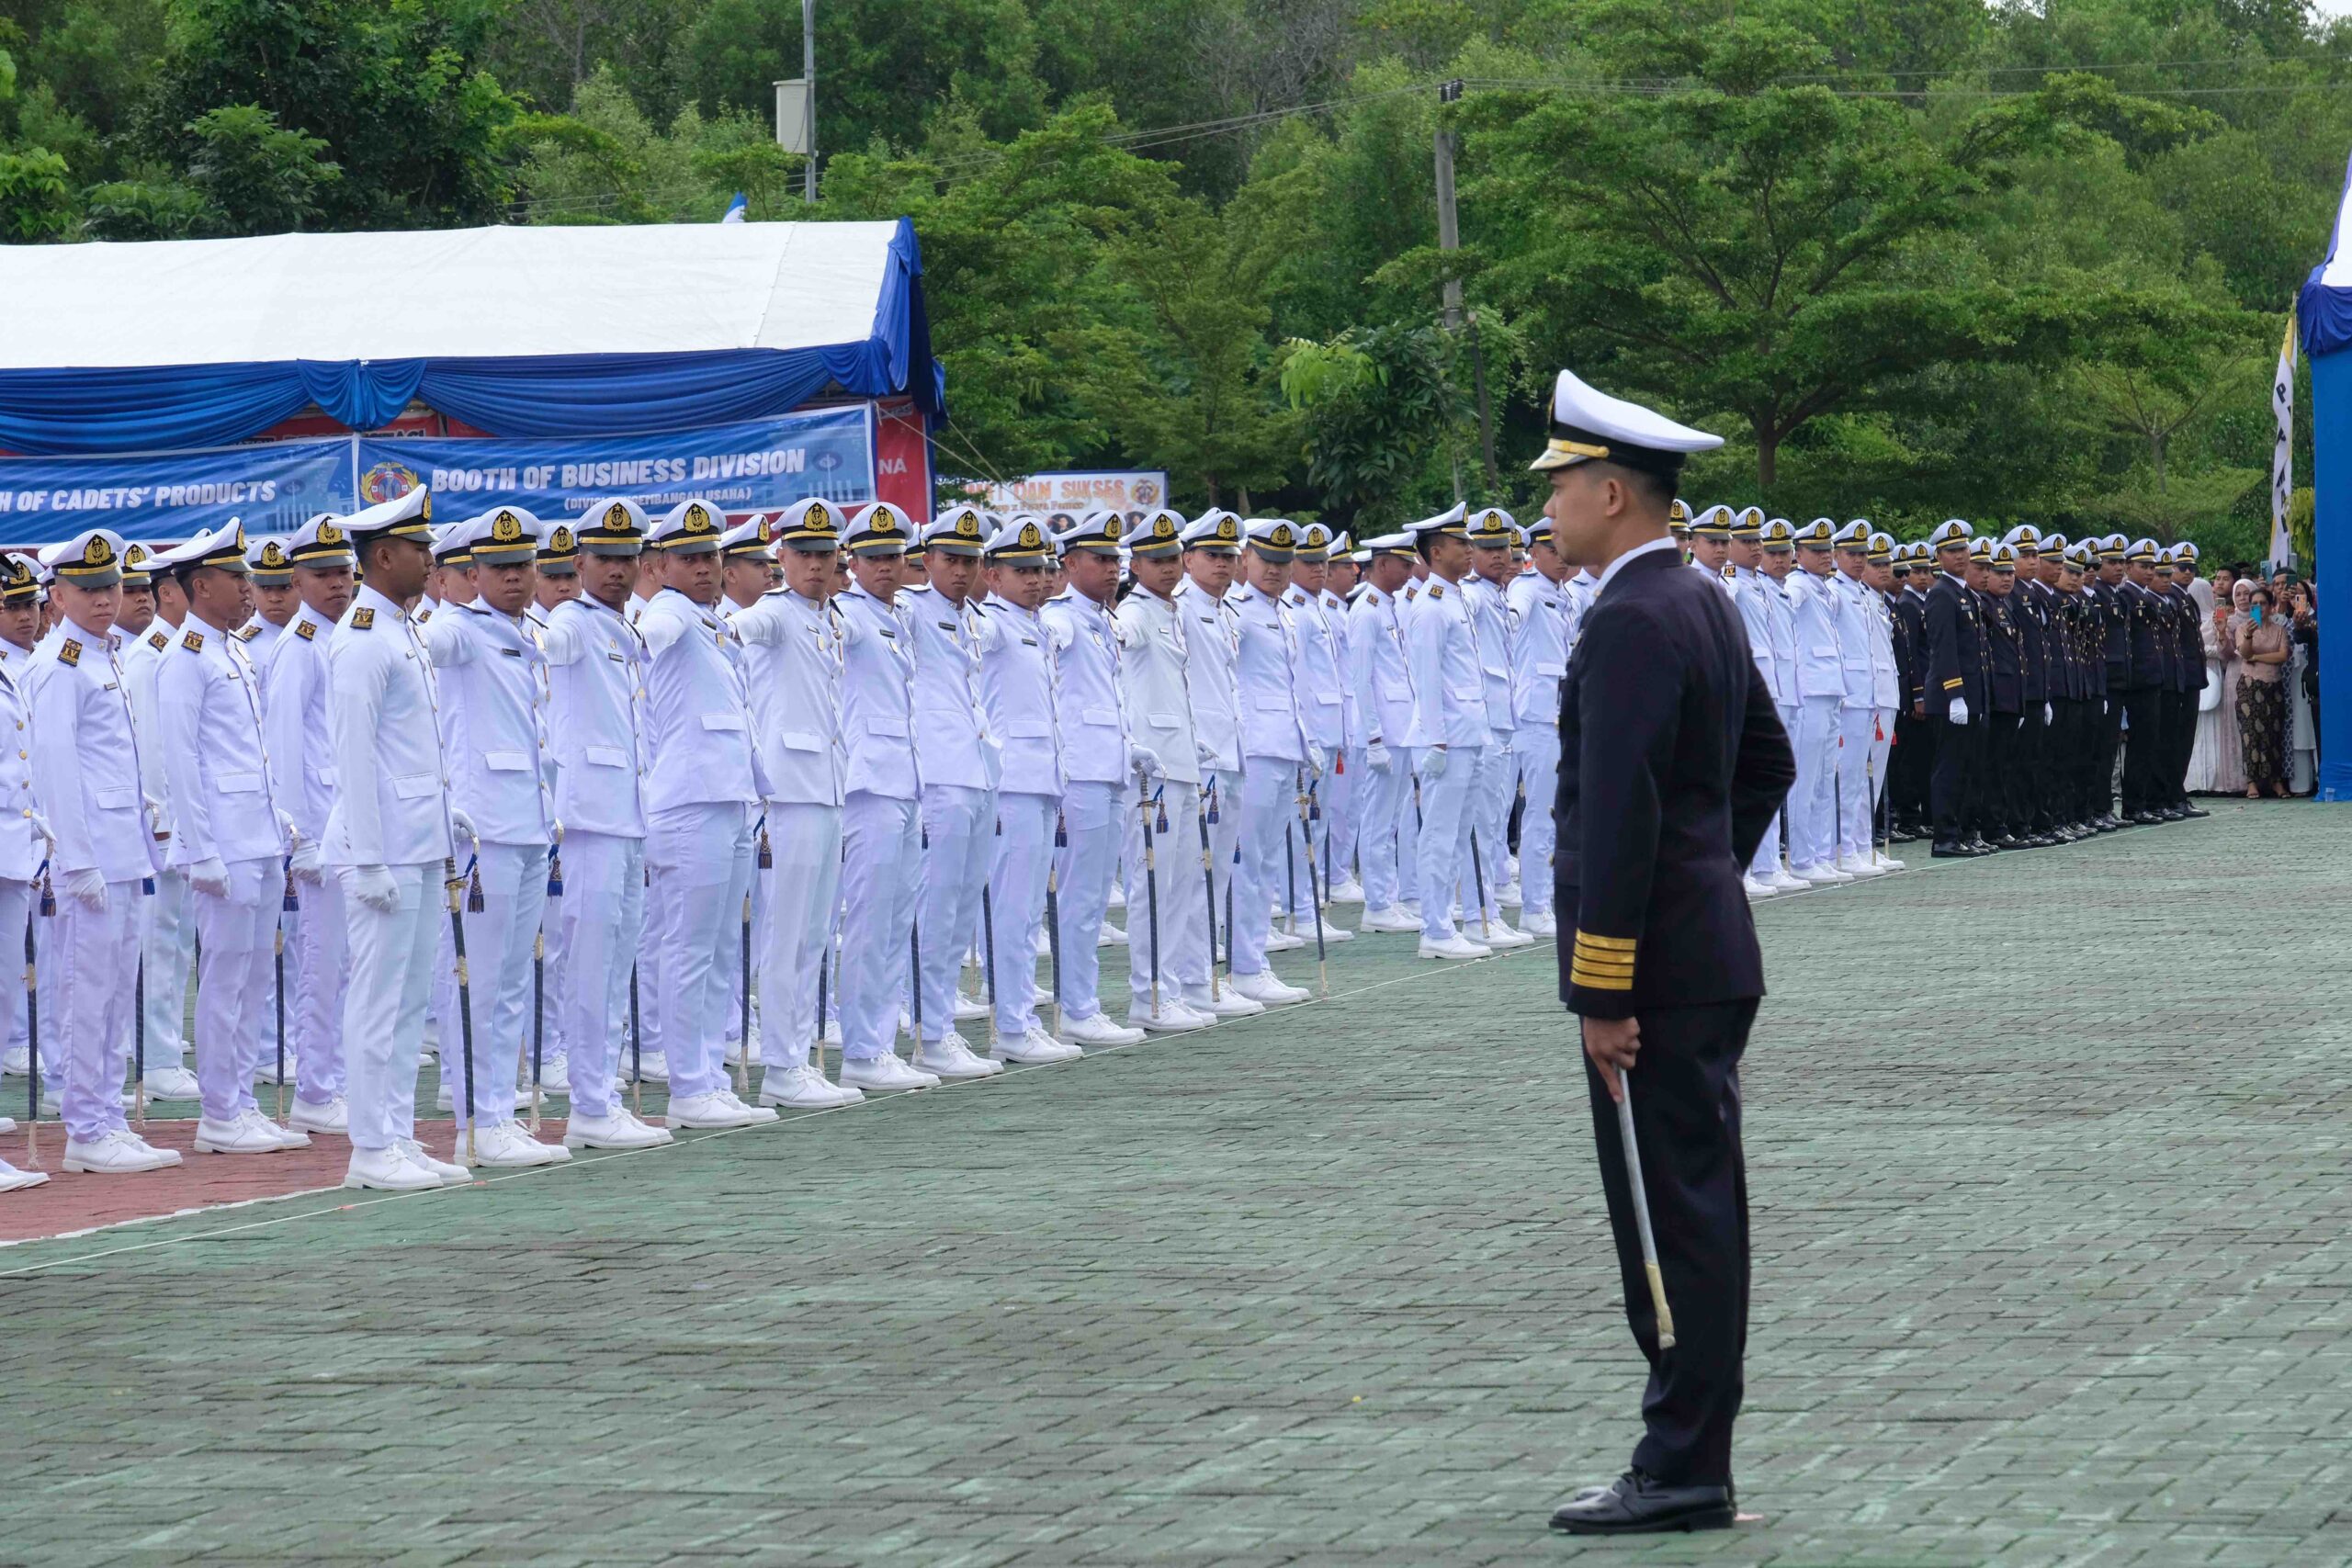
column 269, row 563
column 813, row 527
column 406, row 516
column 221, row 548
column 1588, row 426
column 879, row 529
column 1159, row 534
column 320, row 544
column 614, row 527
column 689, row 529
column 1023, row 541
column 1273, row 540
column 1098, row 534
column 135, row 559
column 560, row 552
column 19, row 586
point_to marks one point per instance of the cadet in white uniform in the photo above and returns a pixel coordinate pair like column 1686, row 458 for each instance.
column 387, row 842
column 1211, row 638
column 1821, row 692
column 1450, row 733
column 702, row 795
column 270, row 569
column 1383, row 697
column 1539, row 663
column 1018, row 690
column 596, row 732
column 1102, row 749
column 227, row 837
column 300, row 750
column 492, row 686
column 1856, row 605
column 1750, row 594
column 1494, row 533
column 556, row 582
column 85, row 765
column 1343, row 788
column 747, row 572
column 1886, row 689
column 24, row 833
column 792, row 650
column 1276, row 758
column 167, row 928
column 957, row 754
column 271, row 574
column 1323, row 714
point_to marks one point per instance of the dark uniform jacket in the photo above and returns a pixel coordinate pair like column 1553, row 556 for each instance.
column 2189, row 632
column 1955, row 647
column 1909, row 614
column 2148, row 622
column 1672, row 761
column 2003, row 655
column 2115, row 633
column 2032, row 612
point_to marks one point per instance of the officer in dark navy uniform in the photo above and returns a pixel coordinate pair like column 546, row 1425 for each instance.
column 1956, row 691
column 2179, row 570
column 1915, row 737
column 2004, row 672
column 2116, row 650
column 1672, row 759
column 2148, row 676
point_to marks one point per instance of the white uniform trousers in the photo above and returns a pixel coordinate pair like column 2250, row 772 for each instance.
column 235, row 934
column 649, row 979
column 315, row 968
column 909, row 892
column 15, row 908
column 1184, row 957
column 1408, row 761
column 746, row 973
column 1310, row 826
column 391, row 962
column 959, row 824
column 802, row 889
column 1446, row 813
column 498, row 978
column 1224, row 841
column 167, row 949
column 1881, row 744
column 551, row 970
column 1813, row 830
column 1497, row 787
column 699, row 857
column 1853, row 801
column 878, row 865
column 85, row 1012
column 1343, row 817
column 1087, row 859
column 1538, row 751
column 1380, row 793
column 1024, row 852
column 598, row 921
column 1268, row 830
column 1767, row 862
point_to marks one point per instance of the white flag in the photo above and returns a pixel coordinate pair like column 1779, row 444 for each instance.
column 2282, row 450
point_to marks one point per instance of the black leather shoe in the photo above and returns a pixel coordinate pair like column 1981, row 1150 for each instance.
column 1946, row 849
column 2108, row 823
column 2194, row 811
column 1978, row 846
column 2144, row 819
column 1633, row 1504
column 2008, row 841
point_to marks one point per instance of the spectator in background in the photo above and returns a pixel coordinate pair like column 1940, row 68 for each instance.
column 2217, row 764
column 2263, row 653
column 2300, row 605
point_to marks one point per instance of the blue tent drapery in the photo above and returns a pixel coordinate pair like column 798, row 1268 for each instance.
column 158, row 408
column 2324, row 312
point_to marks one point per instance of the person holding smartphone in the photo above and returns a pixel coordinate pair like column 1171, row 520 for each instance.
column 2263, row 653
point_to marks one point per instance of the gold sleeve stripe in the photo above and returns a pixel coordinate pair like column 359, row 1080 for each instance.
column 1605, row 943
column 1581, row 975
column 1951, row 683
column 1614, row 966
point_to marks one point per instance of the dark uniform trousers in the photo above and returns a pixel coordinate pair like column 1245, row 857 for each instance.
column 2004, row 761
column 2028, row 812
column 2145, row 748
column 1686, row 1118
column 2181, row 740
column 1910, row 766
column 2110, row 745
column 1952, row 789
column 2070, row 740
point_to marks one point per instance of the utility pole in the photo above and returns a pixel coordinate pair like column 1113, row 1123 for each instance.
column 809, row 74
column 1449, row 240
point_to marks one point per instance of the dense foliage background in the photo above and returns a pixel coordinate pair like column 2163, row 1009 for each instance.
column 1914, row 258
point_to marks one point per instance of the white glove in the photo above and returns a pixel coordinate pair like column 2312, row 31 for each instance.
column 48, row 834
column 462, row 825
column 1960, row 710
column 293, row 834
column 1377, row 756
column 306, row 866
column 1145, row 763
column 2049, row 714
column 2127, row 721
column 1207, row 754
column 1318, row 762
column 559, row 832
column 372, row 886
column 1433, row 765
column 87, row 886
column 209, row 875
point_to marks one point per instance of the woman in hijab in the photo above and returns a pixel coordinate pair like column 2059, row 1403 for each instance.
column 2263, row 653
column 2217, row 764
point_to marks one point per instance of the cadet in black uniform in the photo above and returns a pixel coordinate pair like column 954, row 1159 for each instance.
column 2116, row 647
column 1955, row 688
column 2005, row 686
column 2190, row 666
column 2148, row 678
column 1672, row 759
column 1907, row 769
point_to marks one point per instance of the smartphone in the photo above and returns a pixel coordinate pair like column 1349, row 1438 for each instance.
column 2255, row 614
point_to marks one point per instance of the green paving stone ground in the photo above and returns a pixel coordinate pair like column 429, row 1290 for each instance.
column 2049, row 1164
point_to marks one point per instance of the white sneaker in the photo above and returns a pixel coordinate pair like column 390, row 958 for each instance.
column 1225, row 1004
column 18, row 1063
column 247, row 1134
column 1857, row 866
column 950, row 1057
column 1755, row 889
column 1542, row 923
column 1508, row 899
column 1099, row 1031
column 1392, row 918
column 506, row 1144
column 1346, row 890
column 1412, row 908
column 119, row 1152
column 1511, row 869
column 171, row 1083
column 1499, row 934
column 618, row 1131
column 1886, row 862
column 1455, row 946
column 967, row 1009
column 735, row 1048
column 1821, row 875
column 386, row 1171
column 1110, row 936
column 877, row 1075
column 288, row 1136
column 717, row 1108
column 1332, row 935
column 334, row 1116
column 1268, row 987
column 7, row 1125
column 555, row 1076
column 803, row 1087
column 14, row 1181
column 653, row 1069
column 1034, row 1045
column 1173, row 1018
column 1786, row 880
column 833, row 1035
column 760, row 1114
column 1281, row 941
column 447, row 1172
column 267, row 1073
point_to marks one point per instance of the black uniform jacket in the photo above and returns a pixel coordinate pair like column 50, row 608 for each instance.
column 1672, row 762
column 1955, row 647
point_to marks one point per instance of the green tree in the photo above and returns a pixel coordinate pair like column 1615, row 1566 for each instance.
column 35, row 203
column 258, row 178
